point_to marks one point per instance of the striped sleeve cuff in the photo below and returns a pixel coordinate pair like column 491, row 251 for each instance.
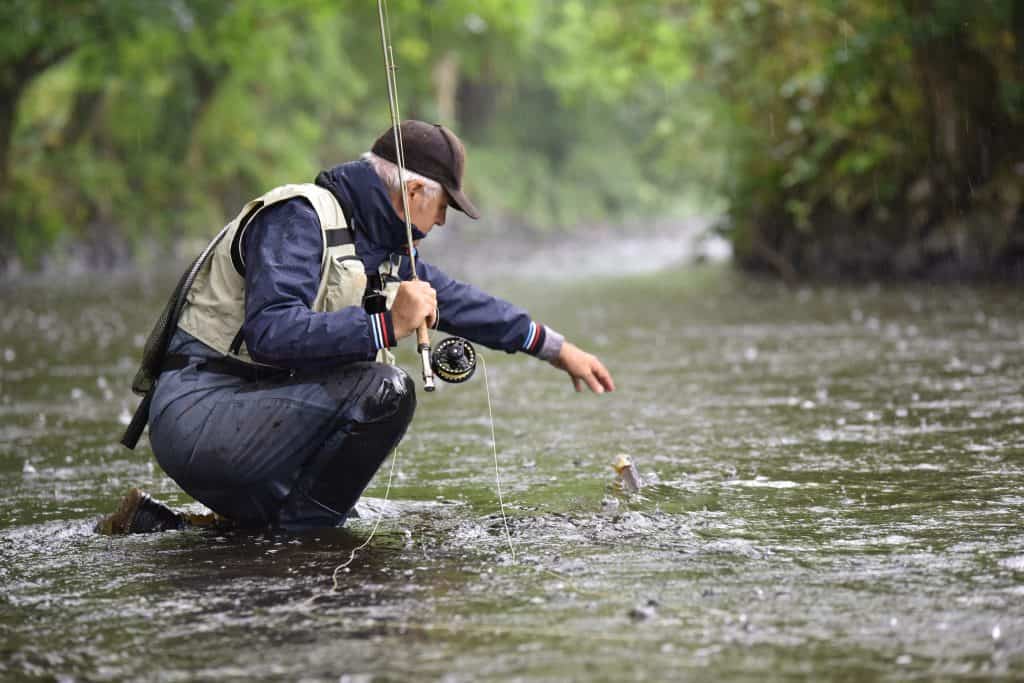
column 543, row 342
column 382, row 330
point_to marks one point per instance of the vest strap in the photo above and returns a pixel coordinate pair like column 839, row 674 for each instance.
column 236, row 343
column 338, row 237
column 346, row 211
column 225, row 366
column 237, row 259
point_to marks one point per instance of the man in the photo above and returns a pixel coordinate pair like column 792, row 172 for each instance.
column 271, row 408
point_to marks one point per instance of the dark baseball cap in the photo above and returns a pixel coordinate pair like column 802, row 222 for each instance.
column 434, row 152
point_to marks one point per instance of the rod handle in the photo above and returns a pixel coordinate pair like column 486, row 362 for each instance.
column 423, row 346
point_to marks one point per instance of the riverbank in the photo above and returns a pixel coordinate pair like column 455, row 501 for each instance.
column 980, row 246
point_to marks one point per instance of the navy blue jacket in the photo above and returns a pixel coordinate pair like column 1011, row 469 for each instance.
column 283, row 250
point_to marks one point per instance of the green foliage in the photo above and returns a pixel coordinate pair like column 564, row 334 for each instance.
column 822, row 123
column 166, row 116
column 863, row 129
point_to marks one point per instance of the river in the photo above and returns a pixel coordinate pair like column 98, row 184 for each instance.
column 835, row 491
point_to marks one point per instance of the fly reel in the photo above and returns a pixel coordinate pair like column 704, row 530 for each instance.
column 453, row 360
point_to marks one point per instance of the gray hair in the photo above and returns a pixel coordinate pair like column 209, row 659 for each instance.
column 388, row 173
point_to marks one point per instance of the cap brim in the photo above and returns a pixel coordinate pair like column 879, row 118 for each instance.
column 461, row 202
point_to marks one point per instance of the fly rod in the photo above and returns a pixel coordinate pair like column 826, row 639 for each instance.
column 422, row 336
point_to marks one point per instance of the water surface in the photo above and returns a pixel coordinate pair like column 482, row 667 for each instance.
column 838, row 494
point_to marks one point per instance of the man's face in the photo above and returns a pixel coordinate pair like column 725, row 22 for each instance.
column 426, row 211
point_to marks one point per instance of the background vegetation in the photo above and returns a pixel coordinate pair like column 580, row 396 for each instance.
column 837, row 137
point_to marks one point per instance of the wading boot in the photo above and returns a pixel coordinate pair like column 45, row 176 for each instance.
column 138, row 513
column 206, row 520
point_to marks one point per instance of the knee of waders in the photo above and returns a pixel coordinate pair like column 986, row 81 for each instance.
column 405, row 394
column 394, row 399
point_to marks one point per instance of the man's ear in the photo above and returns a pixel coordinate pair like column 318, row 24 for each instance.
column 414, row 187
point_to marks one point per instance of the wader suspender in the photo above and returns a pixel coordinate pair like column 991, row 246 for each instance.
column 159, row 339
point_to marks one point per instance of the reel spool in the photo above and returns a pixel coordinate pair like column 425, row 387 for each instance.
column 454, row 360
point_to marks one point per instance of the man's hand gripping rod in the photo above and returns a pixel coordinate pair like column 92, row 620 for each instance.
column 422, row 337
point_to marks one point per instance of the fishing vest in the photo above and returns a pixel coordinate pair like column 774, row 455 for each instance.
column 214, row 310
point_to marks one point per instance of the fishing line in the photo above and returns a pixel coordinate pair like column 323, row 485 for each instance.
column 568, row 581
column 494, row 450
column 391, row 475
column 380, row 516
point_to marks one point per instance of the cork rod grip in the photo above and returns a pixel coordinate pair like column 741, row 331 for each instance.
column 423, row 346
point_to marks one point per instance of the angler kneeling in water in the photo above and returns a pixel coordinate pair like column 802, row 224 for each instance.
column 270, row 393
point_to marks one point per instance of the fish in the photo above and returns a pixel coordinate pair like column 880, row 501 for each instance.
column 628, row 473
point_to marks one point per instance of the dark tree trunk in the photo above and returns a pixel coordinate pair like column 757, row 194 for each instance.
column 83, row 113
column 476, row 101
column 15, row 75
column 960, row 90
column 1017, row 21
column 207, row 79
column 8, row 108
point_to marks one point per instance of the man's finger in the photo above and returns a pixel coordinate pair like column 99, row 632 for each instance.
column 604, row 377
column 592, row 382
column 576, row 384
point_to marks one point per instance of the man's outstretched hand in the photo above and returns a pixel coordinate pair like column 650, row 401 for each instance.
column 584, row 367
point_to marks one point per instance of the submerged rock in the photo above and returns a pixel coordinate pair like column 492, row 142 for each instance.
column 643, row 612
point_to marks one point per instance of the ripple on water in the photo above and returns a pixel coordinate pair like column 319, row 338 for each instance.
column 1015, row 563
column 761, row 482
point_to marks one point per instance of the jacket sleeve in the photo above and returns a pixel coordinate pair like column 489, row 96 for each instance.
column 283, row 249
column 470, row 312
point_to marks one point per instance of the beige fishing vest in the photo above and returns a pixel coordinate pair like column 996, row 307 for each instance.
column 214, row 310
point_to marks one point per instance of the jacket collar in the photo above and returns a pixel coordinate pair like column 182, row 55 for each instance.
column 366, row 202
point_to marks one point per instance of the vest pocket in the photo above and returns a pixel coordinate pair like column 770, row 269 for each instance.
column 346, row 282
